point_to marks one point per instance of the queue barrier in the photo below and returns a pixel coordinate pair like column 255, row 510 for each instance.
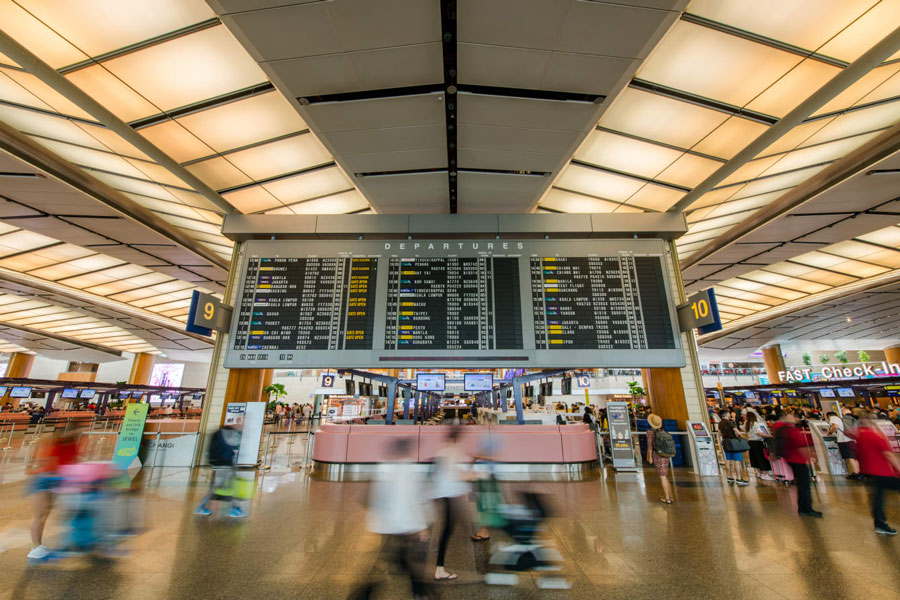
column 269, row 458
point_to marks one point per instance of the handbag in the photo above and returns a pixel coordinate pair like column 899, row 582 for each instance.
column 735, row 444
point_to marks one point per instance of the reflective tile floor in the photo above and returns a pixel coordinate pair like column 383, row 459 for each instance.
column 307, row 539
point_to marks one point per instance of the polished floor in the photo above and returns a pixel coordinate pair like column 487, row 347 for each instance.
column 307, row 539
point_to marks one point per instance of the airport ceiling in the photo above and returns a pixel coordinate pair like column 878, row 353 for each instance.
column 131, row 128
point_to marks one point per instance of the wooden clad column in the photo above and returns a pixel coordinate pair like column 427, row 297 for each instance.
column 19, row 366
column 244, row 385
column 268, row 374
column 774, row 362
column 141, row 369
column 665, row 389
column 891, row 355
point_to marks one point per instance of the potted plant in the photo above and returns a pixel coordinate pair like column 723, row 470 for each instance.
column 277, row 390
column 842, row 356
column 807, row 359
column 824, row 359
column 635, row 390
column 863, row 356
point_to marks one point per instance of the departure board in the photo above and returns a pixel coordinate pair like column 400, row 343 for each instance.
column 472, row 303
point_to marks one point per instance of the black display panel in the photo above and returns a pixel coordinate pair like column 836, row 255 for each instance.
column 600, row 302
column 299, row 304
column 439, row 303
column 436, row 303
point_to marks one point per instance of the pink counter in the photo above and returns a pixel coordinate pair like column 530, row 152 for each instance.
column 512, row 444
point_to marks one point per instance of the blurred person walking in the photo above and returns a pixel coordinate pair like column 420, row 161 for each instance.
column 449, row 489
column 845, row 429
column 398, row 511
column 223, row 449
column 660, row 448
column 793, row 445
column 58, row 451
column 881, row 466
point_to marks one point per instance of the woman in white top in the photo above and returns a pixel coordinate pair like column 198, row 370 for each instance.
column 449, row 484
column 846, row 445
column 755, row 430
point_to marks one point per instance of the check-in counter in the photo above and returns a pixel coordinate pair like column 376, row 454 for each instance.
column 353, row 451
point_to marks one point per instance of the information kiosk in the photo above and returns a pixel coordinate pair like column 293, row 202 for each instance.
column 703, row 449
column 827, row 451
column 890, row 433
column 621, row 443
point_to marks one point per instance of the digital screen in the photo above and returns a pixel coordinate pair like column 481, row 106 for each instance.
column 826, row 393
column 87, row 394
column 478, row 382
column 610, row 302
column 197, row 396
column 845, row 392
column 749, row 395
column 20, row 392
column 69, row 393
column 699, row 430
column 472, row 303
column 3, row 389
column 124, row 395
column 430, row 382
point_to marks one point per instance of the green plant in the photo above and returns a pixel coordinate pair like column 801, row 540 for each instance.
column 807, row 359
column 824, row 359
column 276, row 389
column 842, row 356
column 863, row 356
column 635, row 390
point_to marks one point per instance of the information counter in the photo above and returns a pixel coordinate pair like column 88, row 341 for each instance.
column 350, row 452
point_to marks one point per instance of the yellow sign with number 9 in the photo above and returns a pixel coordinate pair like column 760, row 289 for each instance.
column 208, row 310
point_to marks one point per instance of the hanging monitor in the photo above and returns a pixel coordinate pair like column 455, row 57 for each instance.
column 69, row 393
column 846, row 392
column 20, row 392
column 87, row 394
column 124, row 395
column 478, row 382
column 826, row 393
column 430, row 382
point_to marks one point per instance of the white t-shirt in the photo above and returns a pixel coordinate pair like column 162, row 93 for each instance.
column 397, row 502
column 448, row 476
column 755, row 433
column 839, row 426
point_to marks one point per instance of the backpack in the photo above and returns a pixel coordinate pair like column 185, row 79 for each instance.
column 663, row 443
column 221, row 453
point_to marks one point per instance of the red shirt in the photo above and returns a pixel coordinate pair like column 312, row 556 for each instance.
column 870, row 448
column 795, row 442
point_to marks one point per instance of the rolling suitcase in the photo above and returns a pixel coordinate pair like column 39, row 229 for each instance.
column 780, row 468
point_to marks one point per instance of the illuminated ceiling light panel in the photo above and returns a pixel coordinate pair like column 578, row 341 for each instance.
column 284, row 156
column 37, row 37
column 188, row 69
column 730, row 137
column 654, row 117
column 865, row 32
column 821, row 19
column 598, row 183
column 877, row 82
column 654, row 197
column 176, row 141
column 626, row 154
column 339, row 204
column 889, row 236
column 716, row 65
column 793, row 87
column 102, row 26
column 861, row 121
column 113, row 93
column 568, row 202
column 689, row 170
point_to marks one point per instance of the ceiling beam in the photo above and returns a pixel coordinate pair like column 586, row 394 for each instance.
column 839, row 293
column 59, row 338
column 72, row 92
column 25, row 149
column 49, row 287
column 876, row 55
column 837, row 172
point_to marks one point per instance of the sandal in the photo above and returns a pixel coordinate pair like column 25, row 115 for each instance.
column 480, row 538
column 448, row 577
column 666, row 501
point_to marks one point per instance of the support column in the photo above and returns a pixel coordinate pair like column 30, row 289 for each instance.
column 244, row 385
column 268, row 375
column 665, row 390
column 19, row 366
column 774, row 362
column 141, row 369
column 406, row 398
column 892, row 356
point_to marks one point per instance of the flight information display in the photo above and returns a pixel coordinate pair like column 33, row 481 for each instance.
column 473, row 303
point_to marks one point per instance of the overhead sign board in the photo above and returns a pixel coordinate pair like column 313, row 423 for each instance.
column 472, row 303
column 700, row 312
column 208, row 314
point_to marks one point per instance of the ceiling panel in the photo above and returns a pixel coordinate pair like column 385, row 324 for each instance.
column 428, row 192
column 497, row 193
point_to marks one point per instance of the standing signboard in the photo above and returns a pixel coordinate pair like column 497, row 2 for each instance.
column 129, row 441
column 620, row 440
column 254, row 415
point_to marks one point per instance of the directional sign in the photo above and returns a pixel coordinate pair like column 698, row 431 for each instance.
column 583, row 381
column 700, row 312
column 327, row 381
column 208, row 314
